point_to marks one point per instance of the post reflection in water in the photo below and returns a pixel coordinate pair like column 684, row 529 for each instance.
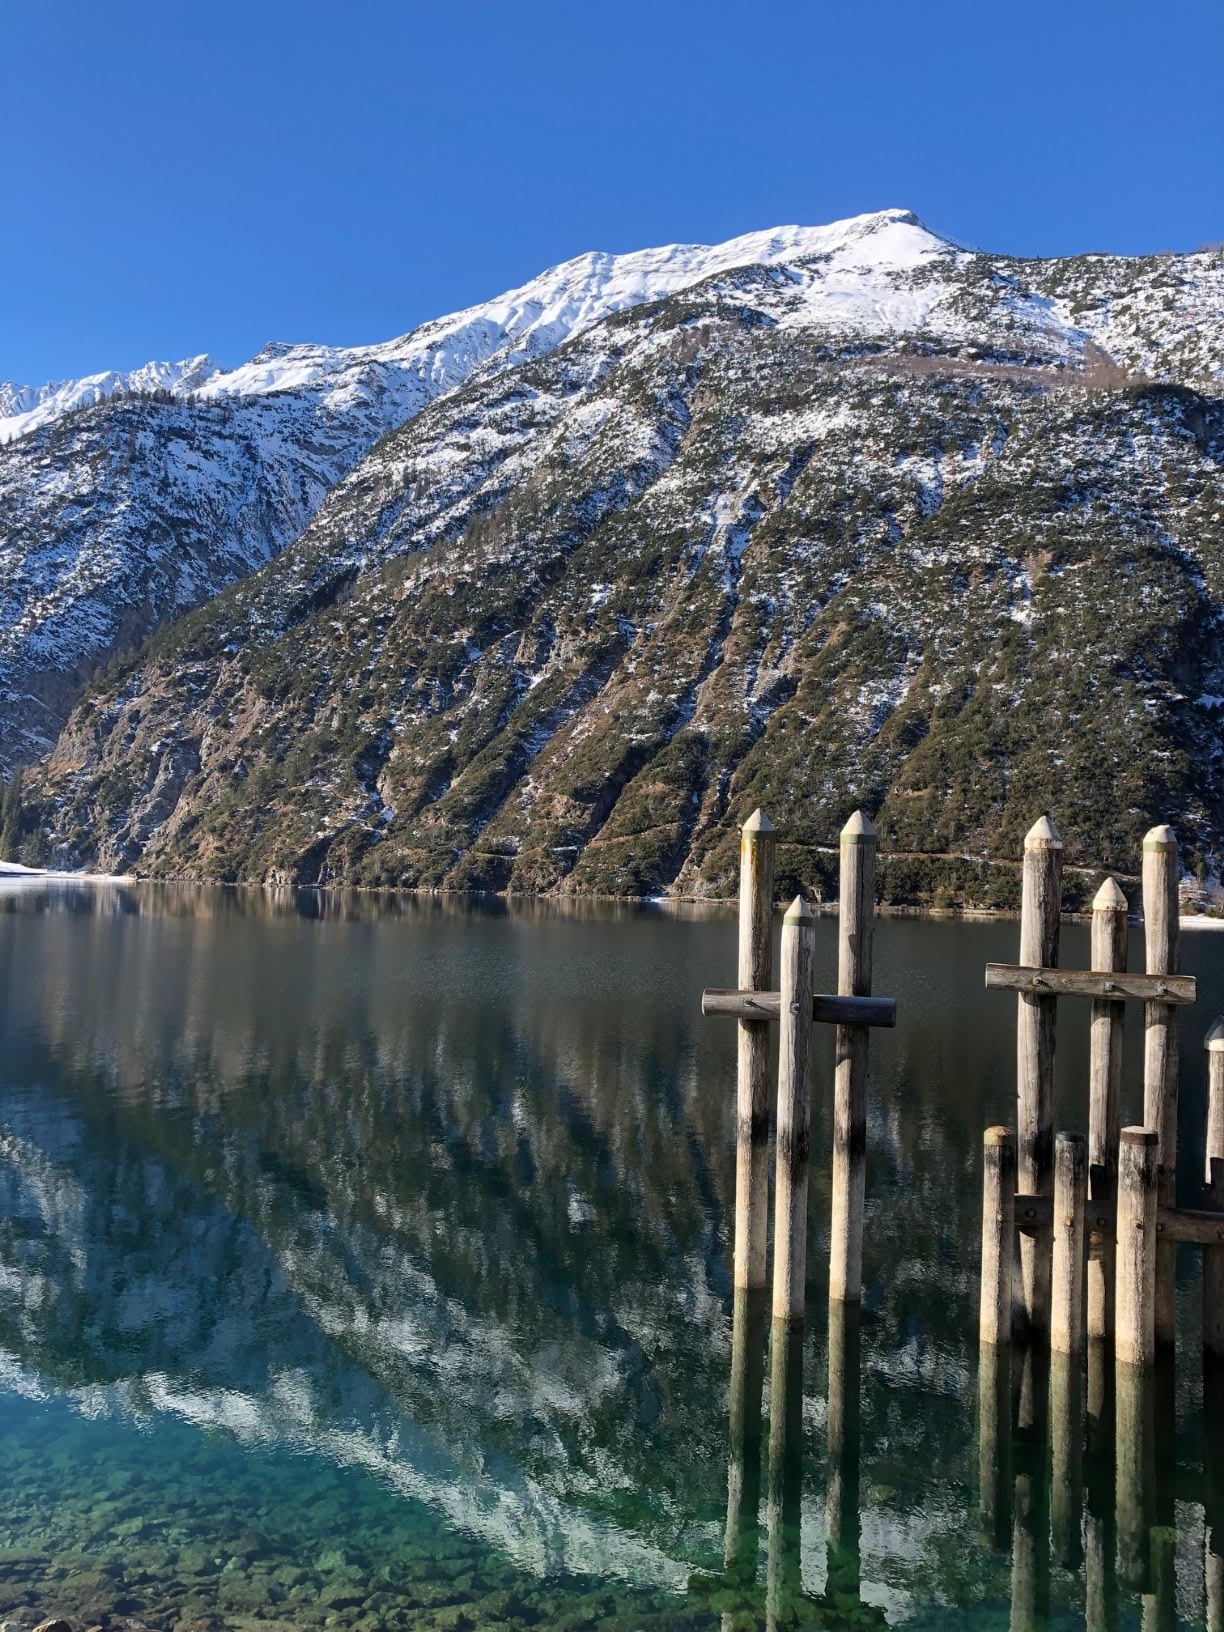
column 1097, row 1490
column 786, row 1603
column 744, row 1456
column 784, row 1497
column 1100, row 1520
column 1030, row 1598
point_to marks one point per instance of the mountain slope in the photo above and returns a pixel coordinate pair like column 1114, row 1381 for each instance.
column 128, row 499
column 889, row 523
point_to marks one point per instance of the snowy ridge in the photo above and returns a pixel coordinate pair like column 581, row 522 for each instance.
column 523, row 322
column 23, row 408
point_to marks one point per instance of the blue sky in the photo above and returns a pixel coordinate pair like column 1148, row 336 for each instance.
column 184, row 177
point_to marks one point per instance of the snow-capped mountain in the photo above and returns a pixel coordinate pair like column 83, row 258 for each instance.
column 120, row 509
column 554, row 587
column 530, row 321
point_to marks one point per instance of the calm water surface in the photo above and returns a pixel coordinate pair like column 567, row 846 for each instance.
column 367, row 1264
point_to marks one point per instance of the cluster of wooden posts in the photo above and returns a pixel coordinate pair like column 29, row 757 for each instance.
column 795, row 1008
column 1093, row 1226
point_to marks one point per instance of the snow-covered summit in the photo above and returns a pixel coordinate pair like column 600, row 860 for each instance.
column 523, row 322
column 24, row 408
column 570, row 298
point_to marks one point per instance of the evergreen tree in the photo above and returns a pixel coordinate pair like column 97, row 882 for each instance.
column 10, row 817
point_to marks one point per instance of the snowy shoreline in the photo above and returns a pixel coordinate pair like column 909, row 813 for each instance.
column 14, row 870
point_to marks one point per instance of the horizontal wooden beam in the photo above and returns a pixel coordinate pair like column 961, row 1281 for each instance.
column 828, row 1009
column 1195, row 1224
column 1191, row 1224
column 1117, row 987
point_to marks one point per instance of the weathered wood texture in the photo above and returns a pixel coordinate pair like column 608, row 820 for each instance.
column 1134, row 1315
column 1160, row 1060
column 794, row 1113
column 752, row 1079
column 827, row 1007
column 1109, row 937
column 856, row 927
column 1117, row 988
column 1041, row 888
column 1067, row 1282
column 1201, row 1226
column 998, row 1226
column 1213, row 1195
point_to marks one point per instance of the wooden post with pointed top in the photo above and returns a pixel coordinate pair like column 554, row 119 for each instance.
column 1109, row 937
column 856, row 926
column 794, row 1114
column 1041, row 892
column 1213, row 1195
column 752, row 1084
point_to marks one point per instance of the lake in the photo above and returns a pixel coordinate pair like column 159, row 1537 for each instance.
column 365, row 1262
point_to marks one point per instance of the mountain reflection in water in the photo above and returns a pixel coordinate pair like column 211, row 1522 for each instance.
column 437, row 1197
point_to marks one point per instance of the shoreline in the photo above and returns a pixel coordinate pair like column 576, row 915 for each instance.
column 13, row 872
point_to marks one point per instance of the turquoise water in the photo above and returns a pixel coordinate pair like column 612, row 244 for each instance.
column 366, row 1264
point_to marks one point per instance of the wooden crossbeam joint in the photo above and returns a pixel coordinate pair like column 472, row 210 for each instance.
column 828, row 1008
column 1200, row 1225
column 1114, row 987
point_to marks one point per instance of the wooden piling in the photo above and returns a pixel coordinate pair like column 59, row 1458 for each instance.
column 1134, row 1329
column 757, row 838
column 1109, row 936
column 856, row 925
column 998, row 1233
column 794, row 1114
column 1213, row 1195
column 1160, row 1053
column 1067, row 1284
column 1041, row 891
